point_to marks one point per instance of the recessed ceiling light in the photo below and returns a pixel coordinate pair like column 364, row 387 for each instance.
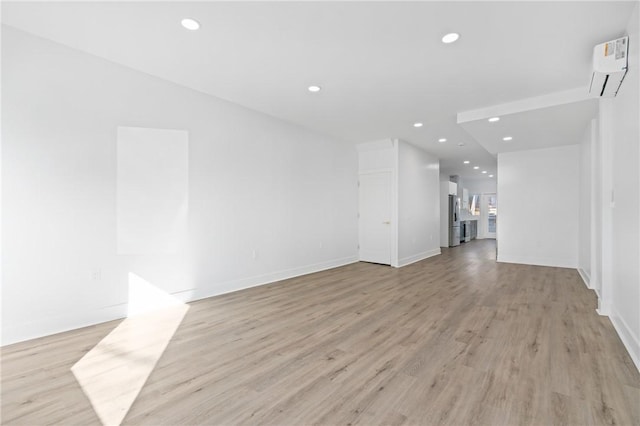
column 314, row 89
column 494, row 119
column 417, row 124
column 190, row 24
column 442, row 140
column 507, row 138
column 450, row 38
column 476, row 167
column 490, row 175
column 466, row 161
column 484, row 171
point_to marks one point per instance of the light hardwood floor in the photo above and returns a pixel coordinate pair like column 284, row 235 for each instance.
column 456, row 339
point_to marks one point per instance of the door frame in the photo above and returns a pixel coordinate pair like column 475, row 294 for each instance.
column 393, row 235
column 484, row 215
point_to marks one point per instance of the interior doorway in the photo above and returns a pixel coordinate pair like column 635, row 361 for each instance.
column 488, row 215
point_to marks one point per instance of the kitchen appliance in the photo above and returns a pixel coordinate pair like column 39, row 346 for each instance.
column 454, row 221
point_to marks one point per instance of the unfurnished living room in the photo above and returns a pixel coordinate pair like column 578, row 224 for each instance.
column 320, row 212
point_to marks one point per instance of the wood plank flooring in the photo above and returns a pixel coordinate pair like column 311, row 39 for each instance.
column 457, row 339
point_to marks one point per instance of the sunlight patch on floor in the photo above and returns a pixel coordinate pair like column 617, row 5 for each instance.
column 113, row 373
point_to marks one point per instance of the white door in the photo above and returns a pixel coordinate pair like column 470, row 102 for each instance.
column 375, row 217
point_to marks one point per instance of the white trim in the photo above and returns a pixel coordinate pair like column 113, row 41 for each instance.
column 630, row 342
column 604, row 309
column 15, row 333
column 72, row 321
column 595, row 231
column 605, row 128
column 418, row 257
column 538, row 261
column 585, row 277
column 258, row 280
column 395, row 206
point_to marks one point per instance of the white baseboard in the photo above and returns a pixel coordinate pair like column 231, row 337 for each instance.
column 538, row 261
column 258, row 280
column 631, row 342
column 604, row 309
column 61, row 323
column 418, row 257
column 585, row 277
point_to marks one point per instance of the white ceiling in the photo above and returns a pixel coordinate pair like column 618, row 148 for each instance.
column 381, row 65
column 539, row 128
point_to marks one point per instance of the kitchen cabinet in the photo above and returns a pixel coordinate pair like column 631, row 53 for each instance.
column 469, row 230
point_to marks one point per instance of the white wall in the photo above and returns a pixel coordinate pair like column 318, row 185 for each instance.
column 418, row 204
column 622, row 300
column 609, row 253
column 267, row 199
column 538, row 206
column 377, row 156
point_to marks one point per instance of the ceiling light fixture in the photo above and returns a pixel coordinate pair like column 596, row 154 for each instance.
column 442, row 140
column 466, row 161
column 484, row 171
column 190, row 24
column 314, row 89
column 490, row 175
column 507, row 138
column 494, row 119
column 417, row 124
column 450, row 38
column 476, row 167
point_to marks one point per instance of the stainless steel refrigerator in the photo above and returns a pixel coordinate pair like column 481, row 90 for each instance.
column 454, row 221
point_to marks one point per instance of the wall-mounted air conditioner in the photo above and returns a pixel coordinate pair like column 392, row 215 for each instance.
column 609, row 67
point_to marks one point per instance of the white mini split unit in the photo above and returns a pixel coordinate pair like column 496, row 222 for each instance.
column 609, row 67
